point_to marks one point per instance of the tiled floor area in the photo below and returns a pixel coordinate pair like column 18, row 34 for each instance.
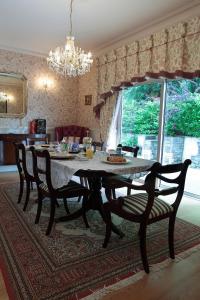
column 11, row 168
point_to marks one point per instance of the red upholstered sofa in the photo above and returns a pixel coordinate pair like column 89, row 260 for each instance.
column 71, row 131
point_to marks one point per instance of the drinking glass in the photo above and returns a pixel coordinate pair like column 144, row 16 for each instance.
column 89, row 152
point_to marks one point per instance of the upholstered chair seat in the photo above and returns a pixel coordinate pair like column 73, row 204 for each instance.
column 71, row 188
column 116, row 181
column 136, row 205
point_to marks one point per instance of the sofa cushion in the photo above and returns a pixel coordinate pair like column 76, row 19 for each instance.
column 72, row 139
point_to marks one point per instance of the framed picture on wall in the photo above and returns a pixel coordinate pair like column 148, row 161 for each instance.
column 88, row 99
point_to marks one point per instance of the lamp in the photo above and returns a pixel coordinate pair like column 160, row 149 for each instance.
column 3, row 96
column 70, row 60
column 45, row 83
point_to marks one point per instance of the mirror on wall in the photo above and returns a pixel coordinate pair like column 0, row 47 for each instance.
column 13, row 95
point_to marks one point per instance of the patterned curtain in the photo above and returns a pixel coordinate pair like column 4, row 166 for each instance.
column 114, row 132
column 170, row 52
column 107, row 112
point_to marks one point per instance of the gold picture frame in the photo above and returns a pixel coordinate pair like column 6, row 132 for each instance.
column 88, row 99
column 14, row 87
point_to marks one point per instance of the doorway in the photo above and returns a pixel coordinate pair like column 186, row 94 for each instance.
column 163, row 118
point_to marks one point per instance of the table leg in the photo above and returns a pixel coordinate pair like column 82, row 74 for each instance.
column 94, row 202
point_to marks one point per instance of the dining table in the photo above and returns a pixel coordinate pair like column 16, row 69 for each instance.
column 64, row 166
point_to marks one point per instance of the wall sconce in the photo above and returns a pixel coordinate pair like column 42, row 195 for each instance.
column 45, row 83
column 4, row 98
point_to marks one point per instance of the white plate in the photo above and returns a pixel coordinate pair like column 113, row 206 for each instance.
column 116, row 163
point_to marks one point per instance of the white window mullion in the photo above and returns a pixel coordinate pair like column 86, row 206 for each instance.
column 161, row 121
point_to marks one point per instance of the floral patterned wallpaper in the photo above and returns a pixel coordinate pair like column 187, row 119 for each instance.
column 85, row 116
column 57, row 104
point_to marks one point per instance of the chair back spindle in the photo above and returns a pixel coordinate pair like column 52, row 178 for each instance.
column 44, row 170
column 24, row 173
column 20, row 154
column 134, row 150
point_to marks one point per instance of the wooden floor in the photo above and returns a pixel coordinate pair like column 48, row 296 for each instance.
column 8, row 177
column 177, row 281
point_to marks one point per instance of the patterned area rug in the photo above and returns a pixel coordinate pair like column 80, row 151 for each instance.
column 71, row 263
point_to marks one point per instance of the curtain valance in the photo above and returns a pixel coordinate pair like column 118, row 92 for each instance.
column 172, row 52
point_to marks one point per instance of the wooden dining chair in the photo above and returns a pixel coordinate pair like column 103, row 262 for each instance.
column 37, row 139
column 113, row 182
column 46, row 189
column 97, row 146
column 147, row 208
column 24, row 175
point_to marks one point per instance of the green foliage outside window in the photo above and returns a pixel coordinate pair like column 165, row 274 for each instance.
column 186, row 120
column 146, row 119
column 141, row 106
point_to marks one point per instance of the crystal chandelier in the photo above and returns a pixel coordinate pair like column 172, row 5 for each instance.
column 70, row 60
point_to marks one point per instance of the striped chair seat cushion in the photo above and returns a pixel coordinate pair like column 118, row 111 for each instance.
column 44, row 187
column 72, row 186
column 136, row 204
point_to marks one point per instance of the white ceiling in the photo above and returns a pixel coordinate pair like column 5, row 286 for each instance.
column 40, row 25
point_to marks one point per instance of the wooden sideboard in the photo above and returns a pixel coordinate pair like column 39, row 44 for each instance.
column 7, row 149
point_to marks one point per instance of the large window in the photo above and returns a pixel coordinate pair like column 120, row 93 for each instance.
column 163, row 118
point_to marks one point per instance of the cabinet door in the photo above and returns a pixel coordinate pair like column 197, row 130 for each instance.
column 9, row 153
column 8, row 148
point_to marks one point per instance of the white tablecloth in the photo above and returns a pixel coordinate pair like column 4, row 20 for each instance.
column 63, row 170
